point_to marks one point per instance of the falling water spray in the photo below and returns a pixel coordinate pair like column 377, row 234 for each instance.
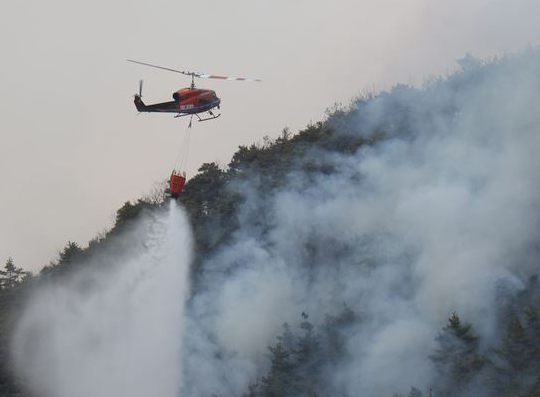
column 116, row 332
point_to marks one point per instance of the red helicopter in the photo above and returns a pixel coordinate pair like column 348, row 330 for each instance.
column 187, row 101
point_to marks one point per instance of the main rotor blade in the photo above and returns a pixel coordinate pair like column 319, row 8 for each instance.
column 200, row 75
column 161, row 67
column 213, row 76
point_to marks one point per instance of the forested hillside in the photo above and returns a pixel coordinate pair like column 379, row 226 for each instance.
column 390, row 249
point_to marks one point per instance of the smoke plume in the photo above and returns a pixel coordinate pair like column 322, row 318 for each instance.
column 427, row 222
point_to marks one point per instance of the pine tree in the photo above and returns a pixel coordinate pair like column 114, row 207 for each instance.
column 277, row 382
column 457, row 359
column 308, row 344
column 515, row 348
column 287, row 338
column 11, row 275
column 334, row 333
column 308, row 360
column 532, row 329
column 517, row 368
column 414, row 392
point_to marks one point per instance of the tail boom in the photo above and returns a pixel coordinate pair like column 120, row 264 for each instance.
column 139, row 104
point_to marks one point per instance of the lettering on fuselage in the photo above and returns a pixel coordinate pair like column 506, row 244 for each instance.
column 186, row 107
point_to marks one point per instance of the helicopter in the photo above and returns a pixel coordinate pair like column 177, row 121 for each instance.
column 189, row 101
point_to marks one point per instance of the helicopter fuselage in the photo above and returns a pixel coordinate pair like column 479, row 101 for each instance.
column 186, row 101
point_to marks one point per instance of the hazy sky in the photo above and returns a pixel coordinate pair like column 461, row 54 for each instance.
column 73, row 149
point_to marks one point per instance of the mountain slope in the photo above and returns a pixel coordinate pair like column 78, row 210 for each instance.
column 397, row 240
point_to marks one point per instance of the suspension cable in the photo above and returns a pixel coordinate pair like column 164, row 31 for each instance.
column 183, row 151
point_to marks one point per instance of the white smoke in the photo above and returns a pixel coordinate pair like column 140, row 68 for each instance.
column 405, row 233
column 117, row 332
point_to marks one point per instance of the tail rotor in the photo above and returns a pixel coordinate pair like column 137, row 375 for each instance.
column 139, row 104
column 140, row 88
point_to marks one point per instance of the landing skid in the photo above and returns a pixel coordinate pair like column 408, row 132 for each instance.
column 213, row 116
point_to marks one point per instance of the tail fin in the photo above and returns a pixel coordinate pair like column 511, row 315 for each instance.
column 139, row 104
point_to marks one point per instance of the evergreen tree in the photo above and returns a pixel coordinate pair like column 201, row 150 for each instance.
column 11, row 275
column 278, row 381
column 287, row 338
column 308, row 360
column 414, row 392
column 457, row 358
column 515, row 347
column 308, row 344
column 517, row 368
column 71, row 255
column 334, row 333
column 296, row 363
column 532, row 329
